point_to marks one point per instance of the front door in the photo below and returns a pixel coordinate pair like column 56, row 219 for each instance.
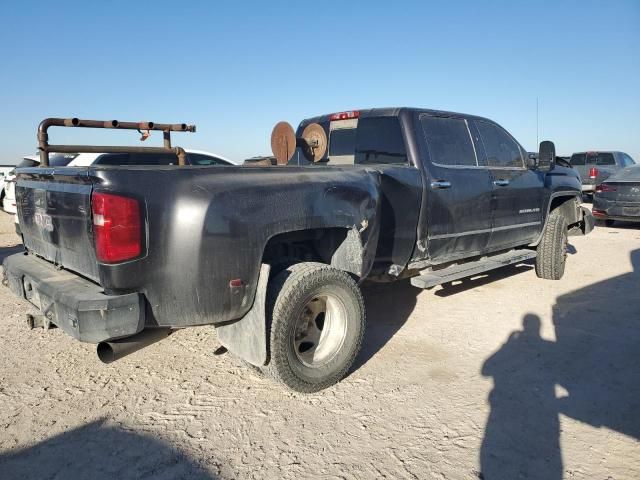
column 517, row 190
column 458, row 190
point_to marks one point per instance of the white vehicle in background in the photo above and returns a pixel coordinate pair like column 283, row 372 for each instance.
column 194, row 157
column 4, row 170
column 9, row 179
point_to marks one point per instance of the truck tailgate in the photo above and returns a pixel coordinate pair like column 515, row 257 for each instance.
column 54, row 209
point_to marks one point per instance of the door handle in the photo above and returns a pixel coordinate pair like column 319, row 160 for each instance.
column 440, row 184
column 501, row 182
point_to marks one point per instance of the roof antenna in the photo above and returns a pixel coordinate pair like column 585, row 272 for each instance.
column 537, row 123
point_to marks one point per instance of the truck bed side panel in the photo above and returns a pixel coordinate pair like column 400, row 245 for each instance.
column 207, row 227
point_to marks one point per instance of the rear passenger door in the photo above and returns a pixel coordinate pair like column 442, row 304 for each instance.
column 517, row 192
column 458, row 190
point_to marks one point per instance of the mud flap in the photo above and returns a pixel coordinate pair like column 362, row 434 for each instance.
column 585, row 225
column 588, row 221
column 247, row 337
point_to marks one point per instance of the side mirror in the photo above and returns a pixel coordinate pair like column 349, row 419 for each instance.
column 532, row 160
column 546, row 156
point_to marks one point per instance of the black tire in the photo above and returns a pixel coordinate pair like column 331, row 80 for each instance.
column 294, row 308
column 552, row 249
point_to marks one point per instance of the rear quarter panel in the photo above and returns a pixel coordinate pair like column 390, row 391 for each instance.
column 207, row 226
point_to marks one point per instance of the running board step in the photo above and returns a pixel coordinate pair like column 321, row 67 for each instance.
column 456, row 272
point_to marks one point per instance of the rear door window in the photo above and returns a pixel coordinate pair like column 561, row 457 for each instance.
column 500, row 148
column 605, row 159
column 449, row 141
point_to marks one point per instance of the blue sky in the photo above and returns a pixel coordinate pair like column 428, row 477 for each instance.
column 236, row 68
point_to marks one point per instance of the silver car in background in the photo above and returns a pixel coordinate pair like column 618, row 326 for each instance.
column 618, row 197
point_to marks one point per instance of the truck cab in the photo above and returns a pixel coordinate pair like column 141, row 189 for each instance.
column 465, row 186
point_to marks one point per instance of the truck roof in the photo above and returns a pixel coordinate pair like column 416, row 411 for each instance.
column 597, row 151
column 391, row 112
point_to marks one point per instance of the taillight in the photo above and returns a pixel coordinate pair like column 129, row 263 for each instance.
column 117, row 227
column 605, row 188
column 344, row 115
column 598, row 213
column 593, row 172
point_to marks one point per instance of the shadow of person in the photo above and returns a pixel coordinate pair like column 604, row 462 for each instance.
column 522, row 435
column 98, row 451
column 598, row 332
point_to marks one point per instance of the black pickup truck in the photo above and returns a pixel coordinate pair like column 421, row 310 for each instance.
column 272, row 256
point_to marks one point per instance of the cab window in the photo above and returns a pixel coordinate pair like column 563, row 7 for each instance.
column 370, row 141
column 500, row 148
column 578, row 159
column 448, row 140
column 379, row 141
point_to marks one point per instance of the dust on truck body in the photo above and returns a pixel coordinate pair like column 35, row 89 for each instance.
column 273, row 256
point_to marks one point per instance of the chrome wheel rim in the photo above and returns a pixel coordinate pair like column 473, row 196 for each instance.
column 320, row 330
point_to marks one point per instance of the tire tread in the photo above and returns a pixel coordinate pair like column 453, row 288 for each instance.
column 551, row 258
column 281, row 298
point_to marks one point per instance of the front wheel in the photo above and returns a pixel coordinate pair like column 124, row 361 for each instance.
column 552, row 249
column 317, row 322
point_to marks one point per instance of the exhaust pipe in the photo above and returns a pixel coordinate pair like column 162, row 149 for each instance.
column 114, row 350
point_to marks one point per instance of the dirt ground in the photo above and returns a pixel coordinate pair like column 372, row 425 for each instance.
column 504, row 376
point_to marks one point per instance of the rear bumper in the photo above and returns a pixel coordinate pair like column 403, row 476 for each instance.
column 74, row 304
column 609, row 209
column 622, row 218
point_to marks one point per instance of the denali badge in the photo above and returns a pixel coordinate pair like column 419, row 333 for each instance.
column 529, row 210
column 43, row 220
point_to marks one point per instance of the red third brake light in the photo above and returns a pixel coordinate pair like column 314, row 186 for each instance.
column 593, row 172
column 117, row 227
column 344, row 115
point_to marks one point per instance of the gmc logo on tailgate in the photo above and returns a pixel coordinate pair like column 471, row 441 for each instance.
column 43, row 220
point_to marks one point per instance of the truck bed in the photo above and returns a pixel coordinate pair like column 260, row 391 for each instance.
column 206, row 226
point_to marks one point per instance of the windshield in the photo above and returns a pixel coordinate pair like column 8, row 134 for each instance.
column 27, row 162
column 55, row 160
column 61, row 159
